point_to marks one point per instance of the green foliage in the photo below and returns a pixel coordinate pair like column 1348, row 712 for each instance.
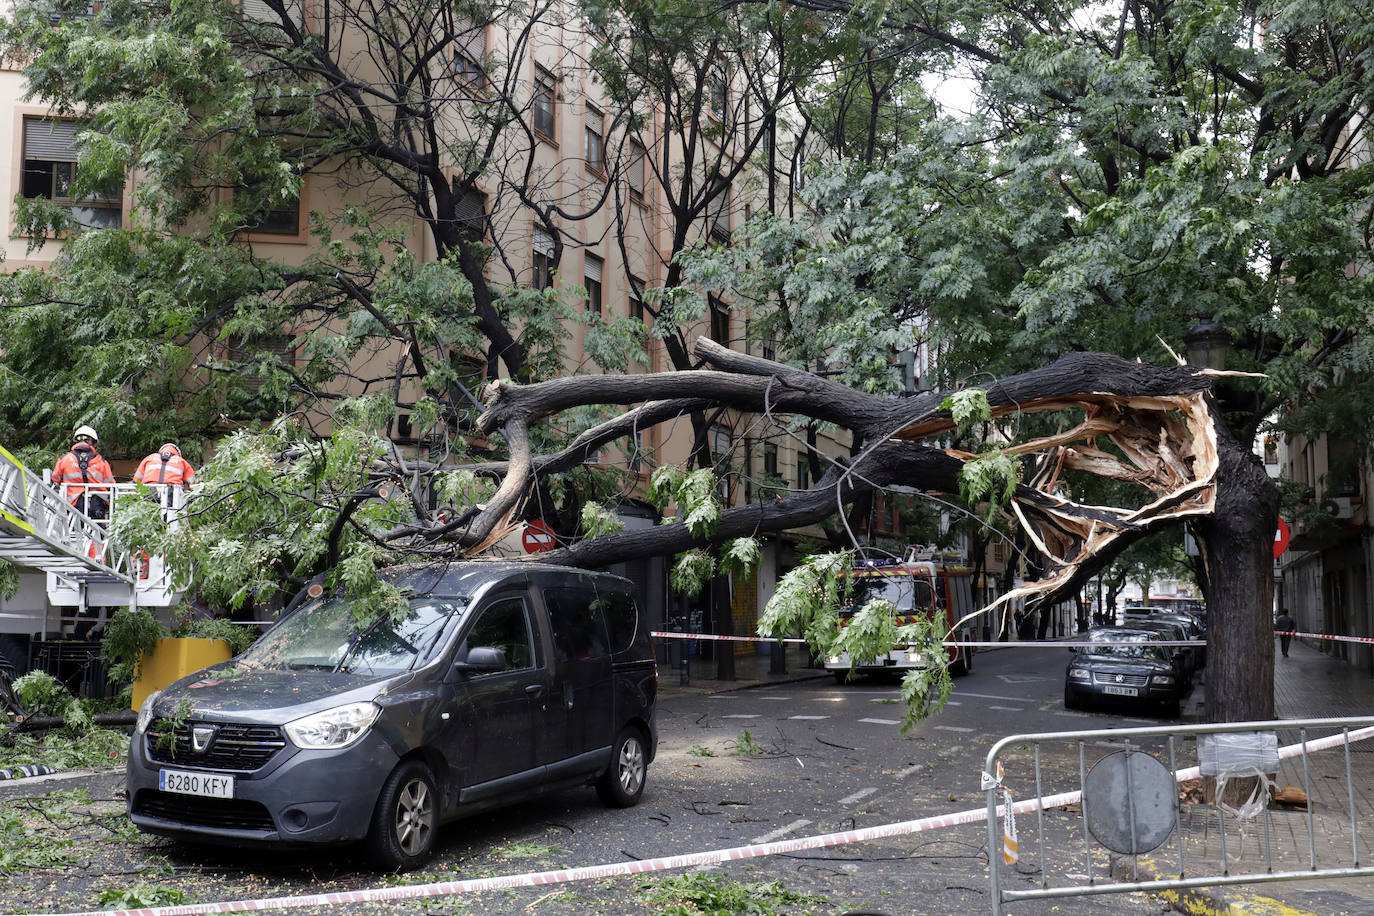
column 740, row 556
column 968, row 407
column 24, row 846
column 527, row 851
column 238, row 637
column 96, row 747
column 141, row 894
column 714, row 894
column 9, row 579
column 130, row 636
column 699, row 750
column 598, row 520
column 692, row 571
column 745, row 746
column 43, row 695
column 990, row 477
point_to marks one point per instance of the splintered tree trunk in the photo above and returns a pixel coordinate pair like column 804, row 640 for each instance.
column 1236, row 546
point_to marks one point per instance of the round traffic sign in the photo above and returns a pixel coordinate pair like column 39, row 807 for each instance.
column 538, row 536
column 1281, row 538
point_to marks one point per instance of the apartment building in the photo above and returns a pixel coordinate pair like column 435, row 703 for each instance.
column 590, row 194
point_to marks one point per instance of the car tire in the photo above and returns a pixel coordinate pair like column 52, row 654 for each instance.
column 623, row 782
column 965, row 663
column 1172, row 709
column 841, row 676
column 406, row 819
column 1070, row 701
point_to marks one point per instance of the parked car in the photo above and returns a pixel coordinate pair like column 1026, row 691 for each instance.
column 1195, row 628
column 1184, row 657
column 501, row 680
column 1137, row 674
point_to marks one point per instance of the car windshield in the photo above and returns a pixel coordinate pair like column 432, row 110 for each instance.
column 1137, row 645
column 324, row 636
column 905, row 592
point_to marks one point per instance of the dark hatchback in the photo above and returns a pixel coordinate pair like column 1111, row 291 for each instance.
column 500, row 681
column 1134, row 673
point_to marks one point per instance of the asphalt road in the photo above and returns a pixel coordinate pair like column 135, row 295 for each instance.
column 734, row 768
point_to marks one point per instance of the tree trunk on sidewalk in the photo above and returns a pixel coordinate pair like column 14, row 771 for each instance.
column 723, row 615
column 1236, row 553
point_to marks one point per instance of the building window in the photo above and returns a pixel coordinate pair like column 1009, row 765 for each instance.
column 591, row 273
column 719, row 97
column 542, row 259
column 470, row 212
column 770, row 460
column 469, row 51
column 259, row 11
column 50, row 169
column 803, row 472
column 596, row 143
column 545, row 96
column 769, row 347
column 269, row 213
column 634, row 172
column 720, row 215
column 720, row 321
column 636, row 310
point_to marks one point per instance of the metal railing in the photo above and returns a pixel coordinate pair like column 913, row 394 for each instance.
column 1198, row 845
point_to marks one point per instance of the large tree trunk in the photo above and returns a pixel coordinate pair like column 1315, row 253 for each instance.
column 1236, row 546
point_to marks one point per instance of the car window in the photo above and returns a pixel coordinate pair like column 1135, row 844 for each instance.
column 905, row 593
column 579, row 629
column 622, row 619
column 504, row 624
column 1138, row 645
column 325, row 635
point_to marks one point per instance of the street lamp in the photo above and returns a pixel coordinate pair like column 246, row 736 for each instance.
column 1207, row 343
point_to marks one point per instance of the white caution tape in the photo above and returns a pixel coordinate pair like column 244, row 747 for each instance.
column 1363, row 639
column 1021, row 644
column 664, row 863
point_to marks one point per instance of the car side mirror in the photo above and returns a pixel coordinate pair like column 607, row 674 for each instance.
column 482, row 660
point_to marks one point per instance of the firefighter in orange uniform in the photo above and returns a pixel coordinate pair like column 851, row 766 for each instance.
column 165, row 469
column 81, row 469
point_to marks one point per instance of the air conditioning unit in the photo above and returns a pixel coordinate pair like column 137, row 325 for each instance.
column 1340, row 506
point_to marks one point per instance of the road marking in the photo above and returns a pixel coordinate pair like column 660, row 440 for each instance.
column 720, row 696
column 829, row 699
column 881, row 721
column 952, row 728
column 808, row 719
column 1019, row 678
column 775, row 698
column 1008, row 708
column 742, row 715
column 954, row 702
column 857, row 796
column 780, row 832
column 988, row 696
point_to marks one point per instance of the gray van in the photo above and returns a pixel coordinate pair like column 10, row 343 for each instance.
column 502, row 681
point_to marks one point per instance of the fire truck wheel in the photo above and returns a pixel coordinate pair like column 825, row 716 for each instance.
column 964, row 665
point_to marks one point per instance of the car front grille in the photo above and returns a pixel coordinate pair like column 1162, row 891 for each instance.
column 241, row 748
column 1122, row 680
column 224, row 813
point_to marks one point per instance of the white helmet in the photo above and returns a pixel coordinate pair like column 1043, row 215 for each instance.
column 85, row 432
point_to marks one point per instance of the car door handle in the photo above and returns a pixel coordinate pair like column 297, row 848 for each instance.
column 535, row 690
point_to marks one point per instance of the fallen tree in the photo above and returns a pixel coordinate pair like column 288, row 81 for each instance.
column 1155, row 426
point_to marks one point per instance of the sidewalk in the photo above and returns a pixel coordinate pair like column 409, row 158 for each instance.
column 701, row 674
column 1307, row 685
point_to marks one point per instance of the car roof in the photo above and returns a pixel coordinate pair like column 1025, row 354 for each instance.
column 464, row 578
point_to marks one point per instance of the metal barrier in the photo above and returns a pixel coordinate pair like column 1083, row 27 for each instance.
column 1130, row 805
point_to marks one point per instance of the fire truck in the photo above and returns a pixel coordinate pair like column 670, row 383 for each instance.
column 922, row 584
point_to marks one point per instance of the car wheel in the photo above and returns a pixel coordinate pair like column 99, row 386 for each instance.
column 404, row 823
column 1070, row 701
column 841, row 676
column 1171, row 709
column 623, row 782
column 965, row 663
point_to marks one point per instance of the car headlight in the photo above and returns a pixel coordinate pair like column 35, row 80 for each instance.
column 1079, row 674
column 333, row 728
column 832, row 660
column 1162, row 679
column 145, row 712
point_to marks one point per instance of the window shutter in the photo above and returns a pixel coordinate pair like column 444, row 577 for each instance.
column 45, row 138
column 592, row 270
column 543, row 243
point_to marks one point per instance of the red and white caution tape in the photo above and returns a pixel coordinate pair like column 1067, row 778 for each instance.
column 664, row 863
column 1363, row 639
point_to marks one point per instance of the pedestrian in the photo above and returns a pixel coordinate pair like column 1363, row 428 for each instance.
column 165, row 468
column 1285, row 626
column 80, row 470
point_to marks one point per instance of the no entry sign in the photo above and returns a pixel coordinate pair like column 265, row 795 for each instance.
column 1281, row 538
column 538, row 537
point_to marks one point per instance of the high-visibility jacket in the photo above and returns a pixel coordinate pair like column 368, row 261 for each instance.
column 172, row 469
column 69, row 471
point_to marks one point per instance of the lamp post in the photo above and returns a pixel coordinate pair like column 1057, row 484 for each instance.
column 1207, row 343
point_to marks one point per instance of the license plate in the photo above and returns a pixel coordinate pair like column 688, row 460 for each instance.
column 1121, row 691
column 210, row 785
